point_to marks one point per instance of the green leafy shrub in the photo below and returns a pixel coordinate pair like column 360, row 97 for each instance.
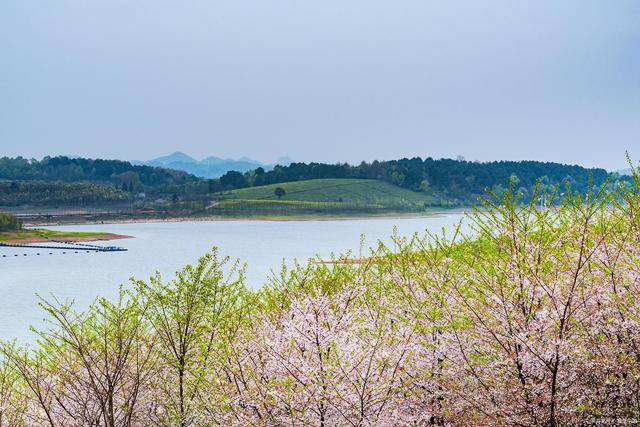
column 9, row 222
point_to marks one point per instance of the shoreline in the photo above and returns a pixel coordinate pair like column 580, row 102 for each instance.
column 395, row 215
column 98, row 237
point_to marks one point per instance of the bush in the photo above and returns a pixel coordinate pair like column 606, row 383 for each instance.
column 9, row 222
column 279, row 192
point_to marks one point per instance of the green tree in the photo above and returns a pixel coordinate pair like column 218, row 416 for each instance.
column 280, row 192
column 9, row 222
column 189, row 316
column 425, row 187
column 233, row 179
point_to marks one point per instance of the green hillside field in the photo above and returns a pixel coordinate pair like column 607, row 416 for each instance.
column 323, row 196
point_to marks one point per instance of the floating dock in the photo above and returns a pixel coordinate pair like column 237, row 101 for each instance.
column 71, row 246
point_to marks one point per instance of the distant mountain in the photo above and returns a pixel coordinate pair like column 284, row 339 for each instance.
column 177, row 157
column 212, row 161
column 209, row 167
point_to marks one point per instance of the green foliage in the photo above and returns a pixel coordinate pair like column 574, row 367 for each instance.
column 347, row 191
column 279, row 192
column 193, row 316
column 96, row 170
column 441, row 182
column 65, row 181
column 42, row 233
column 457, row 181
column 9, row 222
column 233, row 179
column 44, row 193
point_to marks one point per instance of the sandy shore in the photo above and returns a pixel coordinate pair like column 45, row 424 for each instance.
column 38, row 239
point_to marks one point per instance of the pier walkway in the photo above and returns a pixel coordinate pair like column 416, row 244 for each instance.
column 70, row 247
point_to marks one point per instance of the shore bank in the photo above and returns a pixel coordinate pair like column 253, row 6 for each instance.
column 27, row 236
column 311, row 217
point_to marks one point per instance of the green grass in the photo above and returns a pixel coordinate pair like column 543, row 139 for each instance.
column 47, row 234
column 337, row 190
column 323, row 196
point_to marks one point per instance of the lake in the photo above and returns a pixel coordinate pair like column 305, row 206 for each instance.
column 168, row 246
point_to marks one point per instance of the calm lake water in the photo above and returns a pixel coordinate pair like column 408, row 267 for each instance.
column 168, row 246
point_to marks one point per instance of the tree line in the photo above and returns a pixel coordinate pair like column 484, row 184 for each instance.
column 115, row 172
column 455, row 181
column 458, row 180
column 78, row 181
column 45, row 193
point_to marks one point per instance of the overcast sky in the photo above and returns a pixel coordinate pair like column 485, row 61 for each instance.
column 323, row 80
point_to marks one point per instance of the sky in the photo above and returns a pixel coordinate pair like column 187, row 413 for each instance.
column 322, row 80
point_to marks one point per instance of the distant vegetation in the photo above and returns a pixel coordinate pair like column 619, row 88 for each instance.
column 323, row 196
column 77, row 182
column 56, row 193
column 115, row 172
column 406, row 184
column 279, row 192
column 41, row 235
column 457, row 181
column 9, row 222
column 336, row 190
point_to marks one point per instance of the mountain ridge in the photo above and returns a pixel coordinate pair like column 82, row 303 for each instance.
column 210, row 167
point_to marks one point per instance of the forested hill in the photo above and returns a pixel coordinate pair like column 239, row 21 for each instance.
column 455, row 182
column 454, row 179
column 116, row 172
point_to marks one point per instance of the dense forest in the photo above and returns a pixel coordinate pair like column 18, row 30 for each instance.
column 64, row 181
column 43, row 193
column 458, row 180
column 116, row 172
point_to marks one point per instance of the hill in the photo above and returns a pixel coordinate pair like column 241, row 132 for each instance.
column 458, row 181
column 45, row 193
column 323, row 196
column 114, row 172
column 177, row 157
column 396, row 185
column 336, row 190
column 64, row 181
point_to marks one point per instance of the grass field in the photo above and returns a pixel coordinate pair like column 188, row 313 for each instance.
column 31, row 235
column 336, row 190
column 323, row 196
